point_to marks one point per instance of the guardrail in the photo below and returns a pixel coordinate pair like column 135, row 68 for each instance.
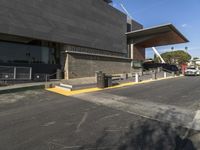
column 15, row 73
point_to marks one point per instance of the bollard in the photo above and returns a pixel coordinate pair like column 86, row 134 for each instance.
column 154, row 75
column 173, row 74
column 158, row 69
column 96, row 74
column 165, row 74
column 136, row 77
column 58, row 74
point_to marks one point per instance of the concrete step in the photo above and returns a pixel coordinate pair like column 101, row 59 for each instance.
column 69, row 87
column 66, row 87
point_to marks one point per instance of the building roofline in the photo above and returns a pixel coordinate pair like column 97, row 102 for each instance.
column 169, row 25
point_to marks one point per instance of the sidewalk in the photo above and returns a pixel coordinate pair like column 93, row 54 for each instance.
column 25, row 86
column 121, row 83
column 78, row 84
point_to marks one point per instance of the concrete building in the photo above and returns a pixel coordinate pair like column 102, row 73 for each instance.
column 77, row 36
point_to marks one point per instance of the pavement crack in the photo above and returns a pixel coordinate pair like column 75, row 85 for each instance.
column 108, row 117
column 82, row 121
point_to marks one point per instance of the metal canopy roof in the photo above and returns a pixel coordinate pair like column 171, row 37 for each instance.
column 157, row 36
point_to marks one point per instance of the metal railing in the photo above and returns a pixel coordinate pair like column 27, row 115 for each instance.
column 15, row 73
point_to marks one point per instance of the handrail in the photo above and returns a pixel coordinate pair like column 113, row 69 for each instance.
column 50, row 75
column 167, row 70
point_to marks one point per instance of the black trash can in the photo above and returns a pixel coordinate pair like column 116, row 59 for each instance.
column 108, row 81
column 101, row 80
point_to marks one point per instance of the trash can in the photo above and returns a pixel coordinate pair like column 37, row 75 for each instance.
column 101, row 80
column 108, row 81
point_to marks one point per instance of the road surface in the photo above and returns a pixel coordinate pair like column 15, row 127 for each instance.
column 157, row 115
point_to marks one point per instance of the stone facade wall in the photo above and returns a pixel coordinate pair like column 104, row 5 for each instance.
column 86, row 65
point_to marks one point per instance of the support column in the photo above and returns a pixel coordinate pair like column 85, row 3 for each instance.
column 132, row 51
column 66, row 66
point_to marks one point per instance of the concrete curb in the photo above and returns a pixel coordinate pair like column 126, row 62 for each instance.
column 25, row 87
column 20, row 89
column 89, row 90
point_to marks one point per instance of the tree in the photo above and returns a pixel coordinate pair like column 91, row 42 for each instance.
column 186, row 48
column 177, row 57
column 195, row 58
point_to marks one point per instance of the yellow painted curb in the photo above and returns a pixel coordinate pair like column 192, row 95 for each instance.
column 68, row 93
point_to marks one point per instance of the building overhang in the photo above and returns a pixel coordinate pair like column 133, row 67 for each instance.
column 157, row 36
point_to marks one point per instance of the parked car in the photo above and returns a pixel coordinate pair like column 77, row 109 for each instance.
column 192, row 71
column 166, row 67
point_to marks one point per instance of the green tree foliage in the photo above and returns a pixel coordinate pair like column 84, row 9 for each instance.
column 177, row 57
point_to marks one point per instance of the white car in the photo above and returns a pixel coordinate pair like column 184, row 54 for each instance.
column 192, row 71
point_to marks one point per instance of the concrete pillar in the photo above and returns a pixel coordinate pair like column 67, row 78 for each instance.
column 66, row 67
column 132, row 50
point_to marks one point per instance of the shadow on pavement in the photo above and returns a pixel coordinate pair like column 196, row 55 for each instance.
column 154, row 136
column 145, row 135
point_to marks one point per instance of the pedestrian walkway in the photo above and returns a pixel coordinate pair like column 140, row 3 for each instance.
column 123, row 83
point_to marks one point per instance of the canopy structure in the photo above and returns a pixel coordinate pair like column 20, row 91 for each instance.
column 152, row 37
column 157, row 36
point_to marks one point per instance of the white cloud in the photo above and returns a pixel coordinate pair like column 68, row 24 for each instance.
column 184, row 25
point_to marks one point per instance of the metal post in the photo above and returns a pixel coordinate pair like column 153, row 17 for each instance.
column 154, row 75
column 136, row 77
column 165, row 74
column 14, row 73
column 30, row 75
column 46, row 78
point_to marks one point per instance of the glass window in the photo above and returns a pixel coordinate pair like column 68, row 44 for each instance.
column 25, row 53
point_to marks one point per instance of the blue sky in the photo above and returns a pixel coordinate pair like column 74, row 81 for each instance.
column 184, row 14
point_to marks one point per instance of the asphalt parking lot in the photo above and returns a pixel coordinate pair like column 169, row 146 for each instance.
column 153, row 116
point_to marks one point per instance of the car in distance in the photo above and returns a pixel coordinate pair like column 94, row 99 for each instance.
column 192, row 71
